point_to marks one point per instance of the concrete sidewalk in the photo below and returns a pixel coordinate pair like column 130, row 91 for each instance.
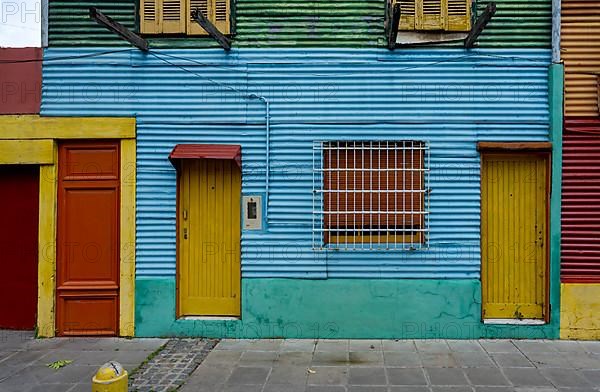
column 23, row 360
column 395, row 366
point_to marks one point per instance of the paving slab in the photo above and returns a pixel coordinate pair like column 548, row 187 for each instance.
column 401, row 366
column 24, row 360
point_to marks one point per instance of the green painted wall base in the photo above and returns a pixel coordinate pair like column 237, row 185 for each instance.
column 335, row 309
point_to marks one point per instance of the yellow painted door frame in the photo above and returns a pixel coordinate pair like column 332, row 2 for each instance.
column 208, row 238
column 514, row 234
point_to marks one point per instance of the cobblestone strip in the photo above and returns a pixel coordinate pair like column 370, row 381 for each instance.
column 171, row 366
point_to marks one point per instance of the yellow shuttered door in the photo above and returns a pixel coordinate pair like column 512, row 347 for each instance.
column 209, row 238
column 513, row 227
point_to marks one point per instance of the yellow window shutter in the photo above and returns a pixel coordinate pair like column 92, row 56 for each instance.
column 440, row 15
column 221, row 15
column 407, row 14
column 193, row 27
column 217, row 11
column 430, row 15
column 459, row 15
column 150, row 16
column 173, row 16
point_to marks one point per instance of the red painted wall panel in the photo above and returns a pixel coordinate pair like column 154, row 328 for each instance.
column 20, row 80
column 18, row 246
column 580, row 247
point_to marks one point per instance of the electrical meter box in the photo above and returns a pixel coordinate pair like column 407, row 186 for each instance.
column 252, row 209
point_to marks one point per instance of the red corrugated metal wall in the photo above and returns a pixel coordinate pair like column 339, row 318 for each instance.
column 20, row 80
column 580, row 250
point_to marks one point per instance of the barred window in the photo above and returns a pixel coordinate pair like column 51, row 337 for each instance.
column 370, row 195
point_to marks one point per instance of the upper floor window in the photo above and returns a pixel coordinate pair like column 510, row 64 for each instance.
column 175, row 16
column 435, row 15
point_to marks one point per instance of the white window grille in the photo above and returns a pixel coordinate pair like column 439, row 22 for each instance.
column 370, row 195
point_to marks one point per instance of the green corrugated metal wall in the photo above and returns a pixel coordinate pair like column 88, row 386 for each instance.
column 518, row 23
column 289, row 23
column 69, row 23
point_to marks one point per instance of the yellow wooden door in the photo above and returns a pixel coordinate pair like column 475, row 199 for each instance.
column 514, row 202
column 209, row 238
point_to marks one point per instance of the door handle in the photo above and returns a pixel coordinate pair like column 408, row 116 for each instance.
column 185, row 233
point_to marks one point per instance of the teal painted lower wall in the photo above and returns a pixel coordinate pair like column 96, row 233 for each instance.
column 335, row 309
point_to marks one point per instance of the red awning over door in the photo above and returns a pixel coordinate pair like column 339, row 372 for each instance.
column 206, row 151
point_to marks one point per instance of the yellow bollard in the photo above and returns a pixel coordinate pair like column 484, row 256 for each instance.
column 111, row 377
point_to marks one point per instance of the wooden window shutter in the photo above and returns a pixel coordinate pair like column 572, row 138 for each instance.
column 173, row 16
column 435, row 15
column 193, row 27
column 217, row 11
column 150, row 16
column 221, row 13
column 430, row 15
column 459, row 15
column 407, row 14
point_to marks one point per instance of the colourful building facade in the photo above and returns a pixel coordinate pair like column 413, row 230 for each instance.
column 256, row 211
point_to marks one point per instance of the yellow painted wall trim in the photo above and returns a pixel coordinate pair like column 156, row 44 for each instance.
column 36, row 127
column 47, row 248
column 580, row 311
column 127, row 266
column 18, row 152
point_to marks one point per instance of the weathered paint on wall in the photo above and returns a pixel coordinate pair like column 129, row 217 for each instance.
column 580, row 51
column 374, row 308
column 580, row 311
column 441, row 97
column 20, row 80
column 296, row 23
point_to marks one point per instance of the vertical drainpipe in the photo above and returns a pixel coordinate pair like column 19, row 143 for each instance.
column 268, row 151
column 556, row 93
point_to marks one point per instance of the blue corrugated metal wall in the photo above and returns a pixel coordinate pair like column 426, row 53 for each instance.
column 450, row 98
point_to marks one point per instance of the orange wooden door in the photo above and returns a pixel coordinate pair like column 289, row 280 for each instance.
column 18, row 245
column 87, row 280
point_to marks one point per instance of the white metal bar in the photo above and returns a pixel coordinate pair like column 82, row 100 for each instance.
column 395, row 198
column 371, row 198
column 403, row 188
column 354, row 190
column 374, row 170
column 404, row 230
column 314, row 199
column 379, row 188
column 377, row 211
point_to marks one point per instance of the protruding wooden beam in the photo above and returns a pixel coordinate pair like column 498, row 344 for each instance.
column 119, row 29
column 393, row 24
column 478, row 27
column 210, row 28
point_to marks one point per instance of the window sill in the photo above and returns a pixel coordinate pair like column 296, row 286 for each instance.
column 514, row 322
